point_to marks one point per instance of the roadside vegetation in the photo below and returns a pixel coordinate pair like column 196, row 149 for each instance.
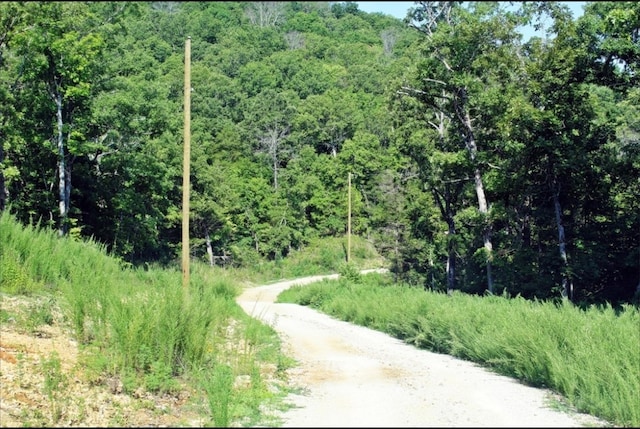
column 142, row 328
column 590, row 356
column 139, row 328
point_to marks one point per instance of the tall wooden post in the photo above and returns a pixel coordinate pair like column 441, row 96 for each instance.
column 349, row 224
column 186, row 164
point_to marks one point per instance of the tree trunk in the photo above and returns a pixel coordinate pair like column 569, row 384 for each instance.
column 447, row 212
column 482, row 200
column 427, row 16
column 209, row 248
column 451, row 257
column 255, row 241
column 525, row 222
column 567, row 284
column 64, row 182
column 270, row 142
column 486, row 229
column 275, row 172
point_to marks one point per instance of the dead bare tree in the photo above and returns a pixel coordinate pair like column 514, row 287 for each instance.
column 265, row 13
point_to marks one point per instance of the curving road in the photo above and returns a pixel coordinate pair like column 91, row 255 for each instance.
column 358, row 377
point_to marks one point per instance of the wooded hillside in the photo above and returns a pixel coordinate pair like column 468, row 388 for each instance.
column 479, row 161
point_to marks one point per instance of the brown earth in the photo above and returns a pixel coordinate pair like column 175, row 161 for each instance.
column 28, row 358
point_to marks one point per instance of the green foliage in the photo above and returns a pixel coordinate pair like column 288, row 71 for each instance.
column 282, row 111
column 219, row 387
column 40, row 313
column 350, row 273
column 320, row 256
column 160, row 379
column 141, row 327
column 14, row 278
column 54, row 380
column 55, row 383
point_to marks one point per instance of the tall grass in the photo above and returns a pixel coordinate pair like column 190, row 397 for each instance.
column 591, row 357
column 142, row 326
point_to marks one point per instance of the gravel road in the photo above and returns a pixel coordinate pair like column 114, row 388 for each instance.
column 357, row 377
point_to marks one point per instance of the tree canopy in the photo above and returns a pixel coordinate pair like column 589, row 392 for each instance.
column 480, row 161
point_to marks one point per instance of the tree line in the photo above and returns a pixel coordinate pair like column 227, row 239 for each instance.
column 479, row 160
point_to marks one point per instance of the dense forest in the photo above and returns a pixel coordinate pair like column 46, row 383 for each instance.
column 479, row 161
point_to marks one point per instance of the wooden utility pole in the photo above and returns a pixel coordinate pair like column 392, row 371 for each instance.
column 349, row 224
column 186, row 164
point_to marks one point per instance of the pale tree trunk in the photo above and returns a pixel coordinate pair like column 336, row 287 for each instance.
column 389, row 38
column 459, row 102
column 567, row 284
column 255, row 241
column 334, row 151
column 525, row 226
column 271, row 142
column 275, row 172
column 446, row 210
column 64, row 175
column 209, row 248
column 265, row 13
column 431, row 14
column 337, row 138
column 486, row 229
column 482, row 200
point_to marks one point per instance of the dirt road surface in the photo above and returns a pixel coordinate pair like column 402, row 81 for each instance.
column 357, row 377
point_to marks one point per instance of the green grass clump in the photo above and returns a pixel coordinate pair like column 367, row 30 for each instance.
column 14, row 276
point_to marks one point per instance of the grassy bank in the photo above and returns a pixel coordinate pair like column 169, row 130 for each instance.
column 591, row 357
column 142, row 328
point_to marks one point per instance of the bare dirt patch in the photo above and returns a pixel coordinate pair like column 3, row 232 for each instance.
column 43, row 383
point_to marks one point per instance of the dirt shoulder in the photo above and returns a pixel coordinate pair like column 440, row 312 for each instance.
column 44, row 384
column 356, row 377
